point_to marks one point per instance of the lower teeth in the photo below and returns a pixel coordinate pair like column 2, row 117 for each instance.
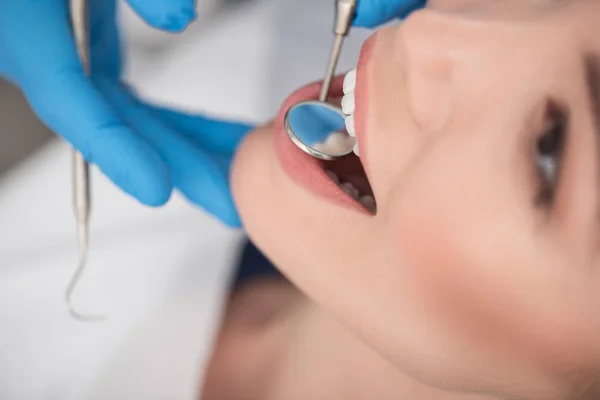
column 333, row 177
column 350, row 190
column 366, row 200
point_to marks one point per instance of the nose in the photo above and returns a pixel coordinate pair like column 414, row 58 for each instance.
column 429, row 65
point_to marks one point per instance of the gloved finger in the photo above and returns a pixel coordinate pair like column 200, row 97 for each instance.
column 170, row 15
column 370, row 13
column 195, row 172
column 54, row 83
column 216, row 136
column 105, row 45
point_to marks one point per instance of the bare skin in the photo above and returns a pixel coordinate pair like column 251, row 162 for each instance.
column 477, row 278
column 271, row 331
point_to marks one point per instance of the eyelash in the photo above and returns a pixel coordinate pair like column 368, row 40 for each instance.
column 549, row 153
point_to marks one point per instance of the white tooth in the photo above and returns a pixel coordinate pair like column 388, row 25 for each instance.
column 333, row 177
column 350, row 190
column 349, row 120
column 350, row 81
column 368, row 202
column 355, row 149
column 348, row 104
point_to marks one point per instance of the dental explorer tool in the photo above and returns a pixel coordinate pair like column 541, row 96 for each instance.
column 344, row 13
column 79, row 11
column 316, row 127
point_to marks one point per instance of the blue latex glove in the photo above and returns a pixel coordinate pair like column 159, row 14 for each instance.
column 370, row 13
column 144, row 150
column 197, row 150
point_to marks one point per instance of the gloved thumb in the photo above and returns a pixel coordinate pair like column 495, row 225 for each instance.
column 170, row 15
column 370, row 13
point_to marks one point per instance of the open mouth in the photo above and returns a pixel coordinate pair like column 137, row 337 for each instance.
column 343, row 181
column 349, row 175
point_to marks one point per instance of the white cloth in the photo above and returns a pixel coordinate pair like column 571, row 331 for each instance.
column 161, row 275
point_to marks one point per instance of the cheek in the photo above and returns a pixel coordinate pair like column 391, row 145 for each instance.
column 482, row 274
column 463, row 248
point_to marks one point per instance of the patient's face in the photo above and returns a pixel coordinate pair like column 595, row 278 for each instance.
column 478, row 131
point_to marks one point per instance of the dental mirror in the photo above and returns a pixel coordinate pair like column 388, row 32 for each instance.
column 318, row 129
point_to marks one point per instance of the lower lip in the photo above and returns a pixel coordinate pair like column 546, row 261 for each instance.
column 304, row 170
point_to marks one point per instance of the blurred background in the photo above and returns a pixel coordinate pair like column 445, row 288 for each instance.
column 21, row 132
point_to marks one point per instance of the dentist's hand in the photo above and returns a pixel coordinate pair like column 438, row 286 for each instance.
column 197, row 150
column 370, row 13
column 38, row 54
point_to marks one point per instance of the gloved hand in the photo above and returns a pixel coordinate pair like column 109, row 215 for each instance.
column 144, row 150
column 370, row 13
column 197, row 150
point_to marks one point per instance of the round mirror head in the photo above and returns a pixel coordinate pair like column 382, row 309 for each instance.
column 318, row 129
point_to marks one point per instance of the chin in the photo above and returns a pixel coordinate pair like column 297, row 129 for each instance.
column 251, row 179
column 256, row 180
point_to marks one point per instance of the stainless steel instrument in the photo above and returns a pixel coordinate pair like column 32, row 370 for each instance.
column 81, row 171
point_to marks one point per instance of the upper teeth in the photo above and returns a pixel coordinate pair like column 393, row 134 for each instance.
column 350, row 81
column 348, row 104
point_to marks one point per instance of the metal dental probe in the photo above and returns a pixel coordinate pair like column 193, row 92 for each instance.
column 81, row 173
column 308, row 137
column 344, row 13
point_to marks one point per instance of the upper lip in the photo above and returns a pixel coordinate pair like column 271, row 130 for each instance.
column 361, row 98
